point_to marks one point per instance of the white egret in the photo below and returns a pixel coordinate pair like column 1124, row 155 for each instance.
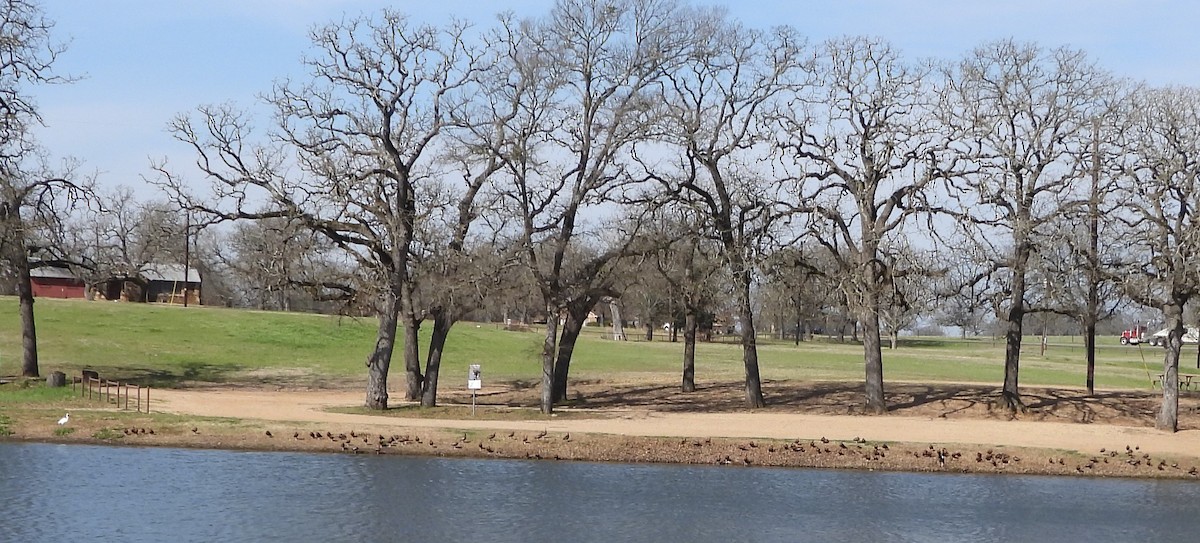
column 64, row 420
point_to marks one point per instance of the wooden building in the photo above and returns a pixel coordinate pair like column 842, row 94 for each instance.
column 162, row 283
column 56, row 282
column 168, row 283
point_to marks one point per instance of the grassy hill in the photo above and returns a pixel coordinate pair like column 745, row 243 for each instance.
column 164, row 345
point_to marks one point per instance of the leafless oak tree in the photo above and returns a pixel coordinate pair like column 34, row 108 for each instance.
column 30, row 192
column 1160, row 190
column 353, row 146
column 866, row 139
column 586, row 73
column 1017, row 113
column 716, row 104
column 689, row 263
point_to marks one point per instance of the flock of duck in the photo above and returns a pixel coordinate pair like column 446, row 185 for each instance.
column 822, row 452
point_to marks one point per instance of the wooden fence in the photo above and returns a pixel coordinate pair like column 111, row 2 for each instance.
column 117, row 392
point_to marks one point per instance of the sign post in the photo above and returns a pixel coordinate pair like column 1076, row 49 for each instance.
column 474, row 382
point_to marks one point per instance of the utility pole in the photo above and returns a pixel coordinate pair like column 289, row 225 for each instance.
column 1093, row 265
column 187, row 257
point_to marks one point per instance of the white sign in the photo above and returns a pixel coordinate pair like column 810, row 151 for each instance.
column 474, row 378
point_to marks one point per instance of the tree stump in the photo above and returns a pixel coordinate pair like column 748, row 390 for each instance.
column 57, row 379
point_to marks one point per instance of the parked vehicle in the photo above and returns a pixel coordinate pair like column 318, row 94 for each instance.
column 1134, row 336
column 1191, row 336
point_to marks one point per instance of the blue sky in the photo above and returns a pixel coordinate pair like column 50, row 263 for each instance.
column 144, row 61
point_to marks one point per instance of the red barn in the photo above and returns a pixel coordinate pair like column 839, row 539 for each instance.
column 54, row 282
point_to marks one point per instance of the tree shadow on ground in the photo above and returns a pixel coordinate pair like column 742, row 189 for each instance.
column 189, row 373
column 949, row 401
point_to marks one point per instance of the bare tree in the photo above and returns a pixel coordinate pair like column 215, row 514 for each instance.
column 1018, row 111
column 646, row 293
column 961, row 298
column 585, row 73
column 1096, row 294
column 30, row 192
column 277, row 264
column 909, row 293
column 462, row 267
column 1160, row 190
column 123, row 237
column 794, row 280
column 352, row 148
column 868, row 144
column 715, row 107
column 690, row 265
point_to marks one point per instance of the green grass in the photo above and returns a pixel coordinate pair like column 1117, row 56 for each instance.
column 34, row 392
column 162, row 345
column 108, row 434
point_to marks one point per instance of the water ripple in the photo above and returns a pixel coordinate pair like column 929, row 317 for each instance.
column 64, row 493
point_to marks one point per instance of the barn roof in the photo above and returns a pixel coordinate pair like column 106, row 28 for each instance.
column 170, row 272
column 51, row 272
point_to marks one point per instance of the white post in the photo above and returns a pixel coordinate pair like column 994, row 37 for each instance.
column 474, row 382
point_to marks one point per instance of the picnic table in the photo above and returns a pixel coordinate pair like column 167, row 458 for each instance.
column 1185, row 381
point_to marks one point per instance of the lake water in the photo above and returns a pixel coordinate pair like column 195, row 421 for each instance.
column 71, row 492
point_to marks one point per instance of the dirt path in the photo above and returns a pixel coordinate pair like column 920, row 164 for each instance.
column 303, row 406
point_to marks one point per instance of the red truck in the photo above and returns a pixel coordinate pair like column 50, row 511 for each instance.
column 1134, row 336
column 1137, row 335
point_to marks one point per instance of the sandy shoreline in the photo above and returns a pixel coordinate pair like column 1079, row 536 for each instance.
column 303, row 421
column 1081, row 438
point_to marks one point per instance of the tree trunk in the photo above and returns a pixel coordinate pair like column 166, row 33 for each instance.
column 18, row 257
column 433, row 362
column 577, row 313
column 689, row 352
column 548, row 352
column 1093, row 264
column 381, row 358
column 754, row 395
column 1010, row 397
column 566, row 348
column 411, row 323
column 649, row 331
column 412, row 361
column 872, row 355
column 894, row 336
column 1168, row 414
column 29, row 350
column 1089, row 344
column 618, row 325
column 799, row 325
